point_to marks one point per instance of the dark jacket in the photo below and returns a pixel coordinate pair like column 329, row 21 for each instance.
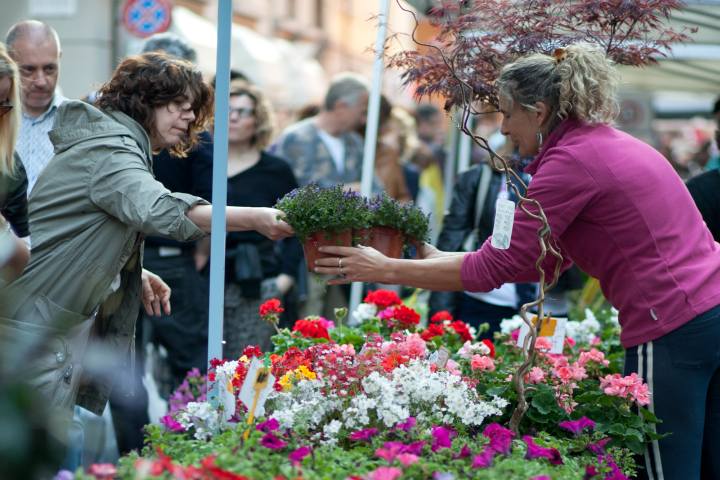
column 459, row 222
column 13, row 199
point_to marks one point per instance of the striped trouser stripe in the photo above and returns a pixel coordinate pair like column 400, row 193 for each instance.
column 653, row 462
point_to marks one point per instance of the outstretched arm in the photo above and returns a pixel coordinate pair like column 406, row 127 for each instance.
column 239, row 219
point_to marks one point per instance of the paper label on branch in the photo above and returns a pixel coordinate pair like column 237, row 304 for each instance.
column 257, row 386
column 226, row 399
column 504, row 218
column 551, row 328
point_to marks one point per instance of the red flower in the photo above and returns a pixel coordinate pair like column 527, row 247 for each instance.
column 214, row 363
column 394, row 360
column 441, row 316
column 433, row 330
column 403, row 317
column 252, row 351
column 382, row 298
column 270, row 311
column 462, row 329
column 311, row 329
column 490, row 345
column 217, row 473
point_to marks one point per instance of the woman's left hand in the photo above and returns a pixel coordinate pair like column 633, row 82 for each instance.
column 155, row 294
column 353, row 264
column 268, row 221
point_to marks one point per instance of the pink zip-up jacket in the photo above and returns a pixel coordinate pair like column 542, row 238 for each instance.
column 620, row 212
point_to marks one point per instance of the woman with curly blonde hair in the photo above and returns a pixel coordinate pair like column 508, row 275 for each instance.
column 620, row 212
column 13, row 180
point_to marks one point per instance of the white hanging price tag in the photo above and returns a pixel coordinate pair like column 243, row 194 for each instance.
column 502, row 230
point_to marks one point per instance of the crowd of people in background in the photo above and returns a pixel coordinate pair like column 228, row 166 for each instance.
column 109, row 174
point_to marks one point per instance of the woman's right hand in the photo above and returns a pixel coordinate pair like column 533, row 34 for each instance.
column 268, row 221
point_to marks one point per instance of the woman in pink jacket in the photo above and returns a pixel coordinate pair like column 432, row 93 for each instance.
column 618, row 210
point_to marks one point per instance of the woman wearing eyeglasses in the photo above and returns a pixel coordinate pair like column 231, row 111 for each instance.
column 13, row 180
column 256, row 268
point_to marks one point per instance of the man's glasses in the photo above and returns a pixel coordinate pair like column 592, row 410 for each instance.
column 242, row 112
column 5, row 108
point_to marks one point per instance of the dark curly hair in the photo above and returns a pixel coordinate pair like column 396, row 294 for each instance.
column 142, row 83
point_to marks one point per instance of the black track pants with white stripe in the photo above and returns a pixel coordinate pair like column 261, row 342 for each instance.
column 682, row 370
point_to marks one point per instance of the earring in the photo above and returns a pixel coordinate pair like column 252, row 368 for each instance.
column 539, row 137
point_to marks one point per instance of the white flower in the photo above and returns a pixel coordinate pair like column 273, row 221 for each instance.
column 509, row 325
column 469, row 349
column 364, row 311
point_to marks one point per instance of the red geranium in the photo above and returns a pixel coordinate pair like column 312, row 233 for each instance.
column 311, row 329
column 462, row 329
column 271, row 308
column 252, row 351
column 490, row 345
column 433, row 330
column 401, row 317
column 382, row 298
column 441, row 316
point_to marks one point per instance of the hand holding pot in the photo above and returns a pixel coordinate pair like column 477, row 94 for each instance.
column 268, row 221
column 353, row 264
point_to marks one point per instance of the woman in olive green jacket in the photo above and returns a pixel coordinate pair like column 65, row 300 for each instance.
column 89, row 212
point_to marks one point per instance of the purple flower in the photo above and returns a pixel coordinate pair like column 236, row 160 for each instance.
column 442, row 438
column 407, row 425
column 536, row 451
column 485, row 459
column 443, row 476
column 364, row 435
column 500, row 438
column 272, row 442
column 464, row 453
column 171, row 424
column 415, row 448
column 297, row 455
column 64, row 475
column 590, row 472
column 389, row 451
column 269, row 425
column 576, row 427
column 541, row 477
column 598, row 448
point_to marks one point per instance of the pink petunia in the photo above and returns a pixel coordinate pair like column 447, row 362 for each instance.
column 385, row 473
column 442, row 438
column 598, row 448
column 576, row 427
column 484, row 459
column 407, row 459
column 500, row 438
column 407, row 425
column 269, row 425
column 272, row 442
column 464, row 453
column 536, row 451
column 171, row 424
column 363, row 435
column 297, row 455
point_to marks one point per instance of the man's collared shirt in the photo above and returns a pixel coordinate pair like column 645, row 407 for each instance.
column 34, row 145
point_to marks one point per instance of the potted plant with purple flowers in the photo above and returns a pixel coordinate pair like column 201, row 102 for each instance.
column 322, row 217
column 385, row 221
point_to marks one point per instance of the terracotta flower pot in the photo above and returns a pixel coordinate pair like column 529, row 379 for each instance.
column 362, row 236
column 388, row 241
column 324, row 239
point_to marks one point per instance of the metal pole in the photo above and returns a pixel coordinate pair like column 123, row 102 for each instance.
column 219, row 193
column 371, row 129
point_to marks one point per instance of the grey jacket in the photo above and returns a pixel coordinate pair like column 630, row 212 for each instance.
column 89, row 212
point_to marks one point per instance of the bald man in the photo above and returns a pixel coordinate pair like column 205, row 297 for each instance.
column 35, row 47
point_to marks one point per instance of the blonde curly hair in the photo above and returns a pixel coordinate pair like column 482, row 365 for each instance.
column 578, row 81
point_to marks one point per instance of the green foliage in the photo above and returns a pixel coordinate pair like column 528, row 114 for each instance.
column 386, row 212
column 416, row 224
column 313, row 209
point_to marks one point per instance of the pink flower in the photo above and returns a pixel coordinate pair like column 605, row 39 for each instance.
column 452, row 367
column 536, row 375
column 543, row 344
column 407, row 459
column 385, row 473
column 576, row 427
column 515, row 334
column 630, row 387
column 272, row 442
column 594, row 355
column 464, row 453
column 536, row 451
column 102, row 471
column 598, row 448
column 297, row 455
column 484, row 460
column 363, row 435
column 541, row 477
column 500, row 438
column 324, row 322
column 171, row 424
column 442, row 438
column 482, row 363
column 389, row 451
column 407, row 425
column 270, row 425
column 414, row 346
